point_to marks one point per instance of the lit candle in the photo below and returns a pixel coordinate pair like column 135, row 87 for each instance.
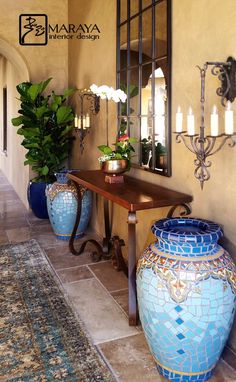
column 76, row 121
column 179, row 120
column 84, row 122
column 214, row 122
column 87, row 120
column 190, row 122
column 79, row 122
column 229, row 119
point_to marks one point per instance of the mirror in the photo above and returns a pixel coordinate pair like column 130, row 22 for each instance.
column 144, row 72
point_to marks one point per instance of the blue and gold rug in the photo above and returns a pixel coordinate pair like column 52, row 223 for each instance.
column 41, row 338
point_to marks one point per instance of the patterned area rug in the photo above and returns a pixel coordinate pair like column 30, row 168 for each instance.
column 41, row 338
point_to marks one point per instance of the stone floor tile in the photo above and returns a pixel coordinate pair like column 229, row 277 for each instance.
column 14, row 222
column 8, row 195
column 74, row 274
column 12, row 206
column 3, row 237
column 17, row 235
column 61, row 257
column 109, row 277
column 104, row 320
column 34, row 221
column 131, row 359
column 121, row 297
column 223, row 373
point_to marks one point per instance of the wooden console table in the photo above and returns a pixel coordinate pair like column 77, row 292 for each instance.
column 134, row 195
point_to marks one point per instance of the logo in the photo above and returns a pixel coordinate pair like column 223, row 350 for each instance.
column 33, row 29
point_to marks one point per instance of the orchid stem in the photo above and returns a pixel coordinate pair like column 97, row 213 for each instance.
column 107, row 120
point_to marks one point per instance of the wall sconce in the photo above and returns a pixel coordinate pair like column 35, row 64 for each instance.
column 89, row 104
column 200, row 144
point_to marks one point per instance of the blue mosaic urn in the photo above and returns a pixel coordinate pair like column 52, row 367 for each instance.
column 62, row 207
column 186, row 287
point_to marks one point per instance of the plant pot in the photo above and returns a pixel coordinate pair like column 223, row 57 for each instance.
column 161, row 162
column 186, row 287
column 145, row 156
column 37, row 199
column 62, row 207
column 114, row 166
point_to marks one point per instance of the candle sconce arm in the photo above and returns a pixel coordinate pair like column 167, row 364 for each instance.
column 181, row 138
column 232, row 143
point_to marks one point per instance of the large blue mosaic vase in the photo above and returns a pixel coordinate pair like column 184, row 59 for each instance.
column 186, row 287
column 62, row 207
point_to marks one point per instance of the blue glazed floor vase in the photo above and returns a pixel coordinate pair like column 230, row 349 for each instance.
column 186, row 285
column 62, row 207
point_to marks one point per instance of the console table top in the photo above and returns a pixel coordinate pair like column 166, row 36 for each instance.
column 134, row 194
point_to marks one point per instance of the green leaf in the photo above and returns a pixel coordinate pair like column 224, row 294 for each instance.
column 64, row 114
column 54, row 106
column 23, row 88
column 44, row 170
column 66, row 130
column 31, row 145
column 44, row 84
column 57, row 99
column 29, row 161
column 33, row 91
column 40, row 111
column 17, row 121
column 47, row 139
column 133, row 140
column 118, row 156
column 105, row 149
column 28, row 132
column 69, row 92
column 133, row 90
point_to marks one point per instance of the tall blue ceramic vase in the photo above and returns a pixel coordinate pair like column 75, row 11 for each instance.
column 62, row 207
column 186, row 286
column 37, row 199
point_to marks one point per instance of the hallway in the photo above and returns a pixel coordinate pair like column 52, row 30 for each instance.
column 99, row 294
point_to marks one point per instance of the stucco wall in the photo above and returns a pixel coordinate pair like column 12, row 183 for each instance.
column 42, row 62
column 203, row 30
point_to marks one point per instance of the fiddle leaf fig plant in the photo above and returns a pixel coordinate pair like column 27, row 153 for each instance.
column 46, row 122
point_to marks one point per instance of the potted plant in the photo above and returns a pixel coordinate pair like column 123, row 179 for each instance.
column 118, row 159
column 146, row 147
column 45, row 122
column 160, row 152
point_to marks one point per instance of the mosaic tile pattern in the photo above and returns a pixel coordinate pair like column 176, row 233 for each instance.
column 186, row 302
column 62, row 209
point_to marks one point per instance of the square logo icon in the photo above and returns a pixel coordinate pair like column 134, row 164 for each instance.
column 33, row 29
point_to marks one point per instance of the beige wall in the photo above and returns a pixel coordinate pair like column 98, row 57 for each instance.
column 196, row 39
column 42, row 62
column 203, row 30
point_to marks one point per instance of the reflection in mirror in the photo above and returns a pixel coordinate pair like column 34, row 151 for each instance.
column 143, row 72
column 123, row 10
column 154, row 131
column 147, row 35
column 161, row 29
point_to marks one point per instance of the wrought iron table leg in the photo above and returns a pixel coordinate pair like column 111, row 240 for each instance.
column 97, row 255
column 118, row 260
column 187, row 210
column 106, row 243
column 101, row 251
column 133, row 310
column 72, row 238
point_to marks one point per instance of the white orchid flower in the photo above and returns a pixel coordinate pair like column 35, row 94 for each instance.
column 121, row 94
column 94, row 88
column 107, row 92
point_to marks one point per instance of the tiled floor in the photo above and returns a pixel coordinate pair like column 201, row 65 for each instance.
column 98, row 292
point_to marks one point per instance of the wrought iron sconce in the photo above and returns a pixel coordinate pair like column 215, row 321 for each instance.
column 204, row 146
column 82, row 120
